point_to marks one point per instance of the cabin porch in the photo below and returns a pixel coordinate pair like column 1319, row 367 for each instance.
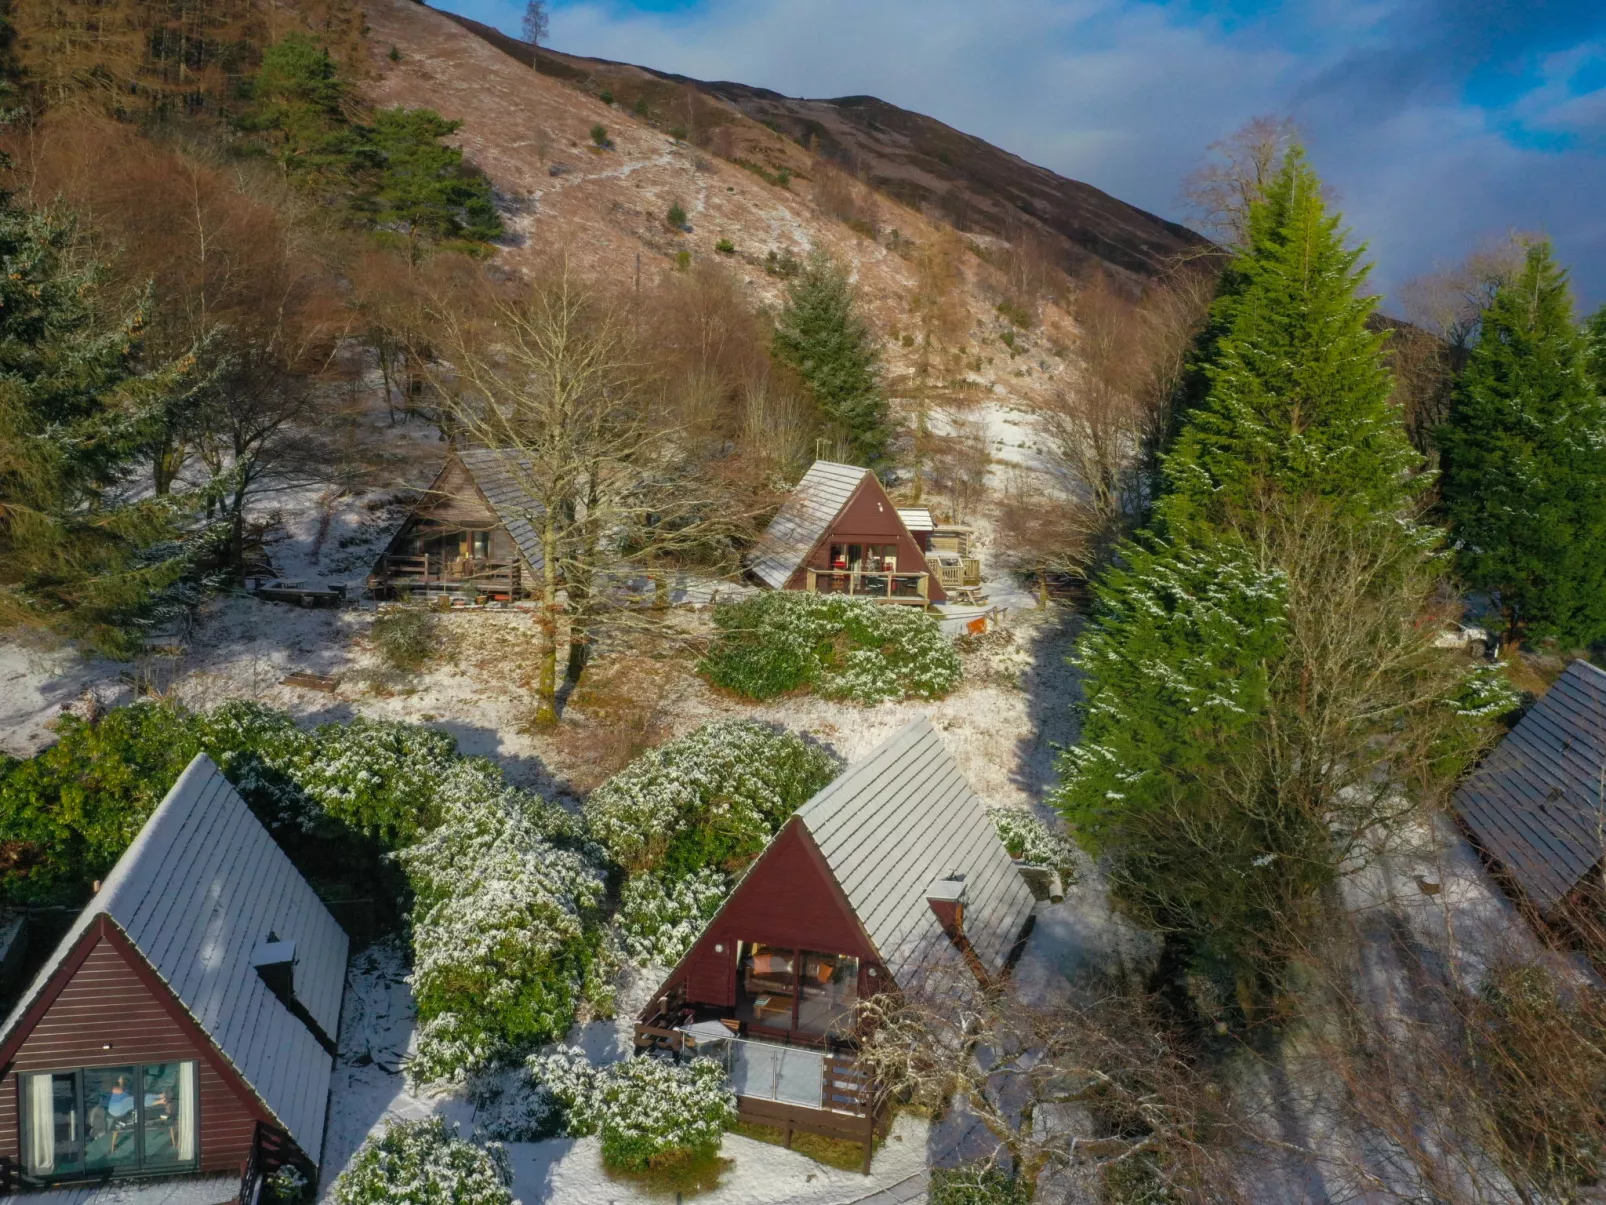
column 430, row 557
column 787, row 1086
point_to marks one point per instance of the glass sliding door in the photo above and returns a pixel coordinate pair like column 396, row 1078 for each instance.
column 828, row 988
column 109, row 1121
column 766, row 985
column 111, row 1109
column 167, row 1124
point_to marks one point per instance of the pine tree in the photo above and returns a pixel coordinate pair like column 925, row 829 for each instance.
column 421, row 184
column 1595, row 334
column 1525, row 462
column 1295, row 393
column 1260, row 680
column 821, row 335
column 80, row 553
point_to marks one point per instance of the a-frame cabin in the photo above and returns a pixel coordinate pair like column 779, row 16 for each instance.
column 473, row 531
column 839, row 533
column 186, row 1024
column 890, row 875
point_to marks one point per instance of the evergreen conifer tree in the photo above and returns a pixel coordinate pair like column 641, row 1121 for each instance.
column 1295, row 393
column 1525, row 461
column 821, row 335
column 80, row 552
column 1595, row 334
column 1237, row 741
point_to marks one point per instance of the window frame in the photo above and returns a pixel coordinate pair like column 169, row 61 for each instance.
column 793, row 1032
column 81, row 1172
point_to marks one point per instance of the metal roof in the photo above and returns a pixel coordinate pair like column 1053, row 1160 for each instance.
column 898, row 821
column 917, row 518
column 502, row 476
column 803, row 520
column 1535, row 804
column 202, row 885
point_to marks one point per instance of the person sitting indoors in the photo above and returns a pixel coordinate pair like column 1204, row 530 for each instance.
column 119, row 1109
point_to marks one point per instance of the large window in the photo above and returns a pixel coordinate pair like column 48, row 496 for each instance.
column 801, row 992
column 109, row 1120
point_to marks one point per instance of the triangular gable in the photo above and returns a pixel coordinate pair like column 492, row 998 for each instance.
column 496, row 489
column 815, row 511
column 788, row 897
column 803, row 520
column 103, row 932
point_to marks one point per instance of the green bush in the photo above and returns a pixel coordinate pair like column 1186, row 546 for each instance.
column 660, row 916
column 975, row 1184
column 643, row 110
column 841, row 648
column 678, row 133
column 725, row 247
column 708, row 800
column 406, row 637
column 504, row 921
column 599, row 135
column 67, row 814
column 605, row 96
column 648, row 1111
column 424, row 1163
column 676, row 217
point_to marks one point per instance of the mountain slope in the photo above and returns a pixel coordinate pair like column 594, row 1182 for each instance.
column 917, row 161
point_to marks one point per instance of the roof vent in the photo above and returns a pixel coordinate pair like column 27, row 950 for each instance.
column 947, row 899
column 275, row 963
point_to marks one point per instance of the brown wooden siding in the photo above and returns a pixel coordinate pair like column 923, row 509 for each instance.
column 788, row 899
column 868, row 518
column 455, row 499
column 107, row 1000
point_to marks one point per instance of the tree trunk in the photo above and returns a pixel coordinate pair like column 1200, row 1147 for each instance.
column 546, row 686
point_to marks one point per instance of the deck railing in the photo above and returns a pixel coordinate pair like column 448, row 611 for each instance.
column 874, row 584
column 423, row 571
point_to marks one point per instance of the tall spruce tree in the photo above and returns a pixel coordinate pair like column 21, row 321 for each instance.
column 1525, row 462
column 81, row 552
column 1595, row 334
column 820, row 334
column 1259, row 680
column 1296, row 394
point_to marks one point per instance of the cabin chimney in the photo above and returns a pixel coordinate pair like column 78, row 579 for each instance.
column 947, row 899
column 275, row 963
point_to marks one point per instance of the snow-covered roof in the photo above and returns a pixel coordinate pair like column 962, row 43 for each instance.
column 1535, row 804
column 501, row 476
column 917, row 518
column 202, row 885
column 803, row 520
column 898, row 821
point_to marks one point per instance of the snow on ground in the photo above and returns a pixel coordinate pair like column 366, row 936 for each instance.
column 369, row 1091
column 209, row 1190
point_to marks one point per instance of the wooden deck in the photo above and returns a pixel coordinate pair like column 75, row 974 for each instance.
column 877, row 585
column 409, row 573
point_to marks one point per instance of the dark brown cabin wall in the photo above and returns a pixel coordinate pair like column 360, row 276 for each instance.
column 788, row 900
column 869, row 518
column 105, row 1001
column 454, row 498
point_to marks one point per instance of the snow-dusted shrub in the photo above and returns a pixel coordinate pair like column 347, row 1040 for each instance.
column 424, row 1163
column 287, row 1185
column 503, row 927
column 841, row 647
column 1029, row 839
column 376, row 776
column 712, row 798
column 659, row 917
column 650, row 1108
column 644, row 1109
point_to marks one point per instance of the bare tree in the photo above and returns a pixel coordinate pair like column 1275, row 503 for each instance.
column 1450, row 302
column 938, row 313
column 553, row 376
column 1100, row 1092
column 1235, row 175
column 1042, row 532
column 534, row 26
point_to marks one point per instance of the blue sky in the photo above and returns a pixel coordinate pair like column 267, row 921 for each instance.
column 1436, row 122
